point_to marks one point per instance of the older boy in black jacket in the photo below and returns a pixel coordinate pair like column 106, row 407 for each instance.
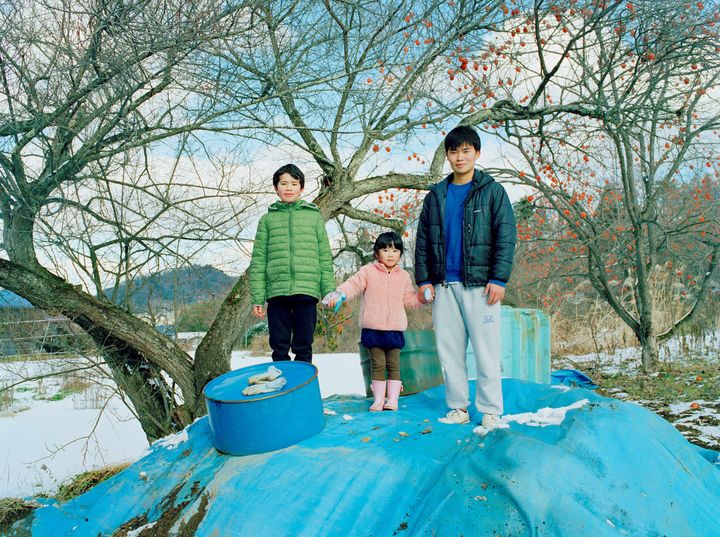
column 464, row 255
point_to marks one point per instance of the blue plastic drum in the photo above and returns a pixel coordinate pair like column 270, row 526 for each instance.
column 246, row 425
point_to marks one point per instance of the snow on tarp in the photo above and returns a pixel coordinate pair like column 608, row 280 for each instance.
column 608, row 468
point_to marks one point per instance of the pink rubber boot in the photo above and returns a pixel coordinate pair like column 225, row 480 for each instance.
column 378, row 389
column 394, row 387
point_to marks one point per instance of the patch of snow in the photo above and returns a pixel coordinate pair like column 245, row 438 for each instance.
column 561, row 387
column 542, row 418
column 172, row 441
column 482, row 431
column 347, row 417
column 628, row 360
column 56, row 439
column 189, row 335
column 339, row 373
column 136, row 532
column 677, row 408
column 329, row 412
column 609, row 522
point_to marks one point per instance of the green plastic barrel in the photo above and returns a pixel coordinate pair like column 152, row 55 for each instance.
column 525, row 353
column 419, row 365
column 525, row 350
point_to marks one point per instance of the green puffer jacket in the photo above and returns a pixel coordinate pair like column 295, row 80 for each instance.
column 291, row 255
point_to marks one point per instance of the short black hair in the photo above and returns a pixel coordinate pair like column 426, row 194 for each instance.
column 388, row 239
column 462, row 135
column 291, row 169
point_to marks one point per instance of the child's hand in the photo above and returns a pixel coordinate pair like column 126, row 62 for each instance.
column 258, row 311
column 334, row 299
column 331, row 299
column 422, row 296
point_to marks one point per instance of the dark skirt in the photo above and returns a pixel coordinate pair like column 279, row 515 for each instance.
column 384, row 339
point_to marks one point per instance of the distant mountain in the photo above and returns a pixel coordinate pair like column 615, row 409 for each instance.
column 186, row 285
column 8, row 299
column 189, row 285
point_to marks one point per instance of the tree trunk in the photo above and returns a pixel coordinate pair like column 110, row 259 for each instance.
column 212, row 357
column 18, row 229
column 647, row 337
column 135, row 352
column 152, row 399
column 649, row 352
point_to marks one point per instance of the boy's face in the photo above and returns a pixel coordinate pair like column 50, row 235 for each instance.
column 389, row 256
column 462, row 159
column 288, row 188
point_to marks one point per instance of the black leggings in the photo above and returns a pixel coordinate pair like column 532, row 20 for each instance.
column 383, row 359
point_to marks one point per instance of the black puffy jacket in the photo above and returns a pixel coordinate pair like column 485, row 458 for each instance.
column 489, row 234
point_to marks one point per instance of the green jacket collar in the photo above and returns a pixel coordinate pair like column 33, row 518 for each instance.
column 299, row 204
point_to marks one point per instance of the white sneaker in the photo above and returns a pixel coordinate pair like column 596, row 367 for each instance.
column 490, row 421
column 457, row 416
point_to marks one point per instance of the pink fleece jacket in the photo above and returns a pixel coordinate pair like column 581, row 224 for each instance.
column 384, row 296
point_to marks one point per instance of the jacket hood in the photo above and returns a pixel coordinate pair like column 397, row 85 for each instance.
column 299, row 204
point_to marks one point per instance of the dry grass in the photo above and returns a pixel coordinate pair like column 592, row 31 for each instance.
column 593, row 327
column 673, row 382
column 14, row 509
column 81, row 483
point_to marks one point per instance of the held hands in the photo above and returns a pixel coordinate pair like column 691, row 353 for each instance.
column 426, row 293
column 258, row 311
column 494, row 292
column 333, row 299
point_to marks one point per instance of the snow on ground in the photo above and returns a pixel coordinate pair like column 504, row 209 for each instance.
column 58, row 426
column 542, row 418
column 48, row 435
column 337, row 373
column 627, row 360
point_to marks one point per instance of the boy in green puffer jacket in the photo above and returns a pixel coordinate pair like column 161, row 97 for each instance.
column 291, row 267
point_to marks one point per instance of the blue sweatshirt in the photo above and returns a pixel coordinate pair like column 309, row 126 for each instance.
column 454, row 221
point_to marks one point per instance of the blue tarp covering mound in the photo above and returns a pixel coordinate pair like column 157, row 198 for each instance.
column 610, row 468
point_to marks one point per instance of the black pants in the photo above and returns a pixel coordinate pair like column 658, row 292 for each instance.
column 291, row 323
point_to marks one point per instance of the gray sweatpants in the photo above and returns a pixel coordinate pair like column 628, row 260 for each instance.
column 458, row 313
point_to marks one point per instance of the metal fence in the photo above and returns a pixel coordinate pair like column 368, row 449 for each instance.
column 26, row 338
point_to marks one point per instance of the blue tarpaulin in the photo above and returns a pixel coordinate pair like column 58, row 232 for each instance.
column 609, row 469
column 573, row 378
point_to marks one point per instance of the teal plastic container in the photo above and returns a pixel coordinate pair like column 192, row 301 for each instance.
column 525, row 345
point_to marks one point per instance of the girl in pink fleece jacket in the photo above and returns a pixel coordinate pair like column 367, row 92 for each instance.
column 386, row 290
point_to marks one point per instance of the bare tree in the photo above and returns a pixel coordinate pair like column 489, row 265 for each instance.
column 94, row 94
column 608, row 177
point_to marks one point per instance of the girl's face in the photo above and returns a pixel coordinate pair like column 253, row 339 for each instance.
column 389, row 256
